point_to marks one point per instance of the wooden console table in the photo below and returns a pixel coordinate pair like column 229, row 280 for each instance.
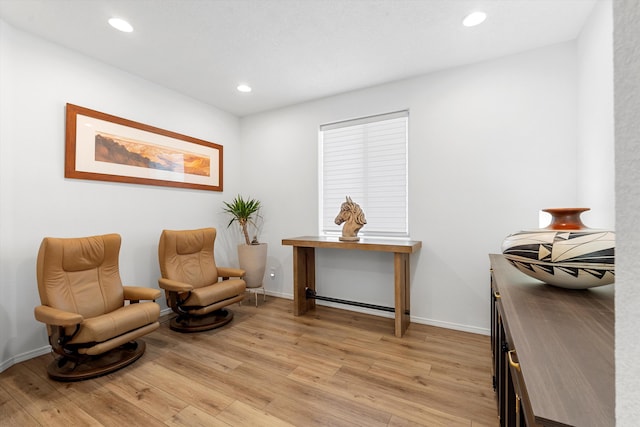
column 304, row 279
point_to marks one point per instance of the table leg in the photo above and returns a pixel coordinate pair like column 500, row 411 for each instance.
column 304, row 276
column 402, row 273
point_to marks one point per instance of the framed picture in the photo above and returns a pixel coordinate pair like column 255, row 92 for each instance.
column 103, row 147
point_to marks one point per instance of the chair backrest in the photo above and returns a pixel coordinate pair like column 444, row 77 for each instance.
column 187, row 256
column 80, row 275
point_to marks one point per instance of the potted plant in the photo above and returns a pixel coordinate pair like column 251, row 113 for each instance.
column 252, row 255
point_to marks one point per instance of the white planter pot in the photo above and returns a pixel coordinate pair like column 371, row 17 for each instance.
column 253, row 260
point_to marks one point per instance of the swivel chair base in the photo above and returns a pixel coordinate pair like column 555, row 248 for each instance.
column 212, row 320
column 66, row 369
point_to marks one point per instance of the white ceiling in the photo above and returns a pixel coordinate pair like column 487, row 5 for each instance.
column 292, row 51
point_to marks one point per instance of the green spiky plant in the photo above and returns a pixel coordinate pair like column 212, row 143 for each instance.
column 243, row 211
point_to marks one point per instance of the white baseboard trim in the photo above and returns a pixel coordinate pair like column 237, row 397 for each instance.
column 6, row 364
column 453, row 326
column 279, row 294
column 414, row 319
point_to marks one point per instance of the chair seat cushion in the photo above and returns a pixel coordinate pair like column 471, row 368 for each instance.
column 219, row 291
column 118, row 322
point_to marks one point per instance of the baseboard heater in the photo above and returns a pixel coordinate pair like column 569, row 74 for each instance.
column 311, row 294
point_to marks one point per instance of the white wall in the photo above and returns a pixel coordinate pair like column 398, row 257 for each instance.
column 596, row 172
column 37, row 79
column 627, row 130
column 490, row 145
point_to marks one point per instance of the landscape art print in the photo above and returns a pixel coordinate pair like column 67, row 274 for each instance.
column 109, row 148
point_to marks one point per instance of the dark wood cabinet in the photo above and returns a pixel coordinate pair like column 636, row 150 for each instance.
column 508, row 390
column 553, row 351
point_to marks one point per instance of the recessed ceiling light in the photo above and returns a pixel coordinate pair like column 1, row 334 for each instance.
column 120, row 24
column 473, row 19
column 244, row 88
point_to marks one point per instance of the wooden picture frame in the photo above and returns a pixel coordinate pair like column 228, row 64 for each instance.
column 103, row 147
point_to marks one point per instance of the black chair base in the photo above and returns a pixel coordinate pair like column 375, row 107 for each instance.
column 65, row 369
column 213, row 320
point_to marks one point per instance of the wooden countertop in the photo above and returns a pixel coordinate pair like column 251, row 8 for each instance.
column 564, row 341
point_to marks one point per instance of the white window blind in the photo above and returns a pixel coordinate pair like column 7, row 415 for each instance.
column 366, row 159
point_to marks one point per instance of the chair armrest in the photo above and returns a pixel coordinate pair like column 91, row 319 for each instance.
column 230, row 272
column 137, row 293
column 53, row 316
column 174, row 285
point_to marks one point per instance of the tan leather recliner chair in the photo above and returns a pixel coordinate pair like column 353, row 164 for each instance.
column 191, row 280
column 83, row 306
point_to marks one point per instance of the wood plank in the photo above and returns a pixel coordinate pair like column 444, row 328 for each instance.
column 36, row 394
column 269, row 367
column 147, row 396
column 183, row 389
column 443, row 396
column 240, row 414
column 381, row 400
column 12, row 413
column 315, row 406
column 194, row 417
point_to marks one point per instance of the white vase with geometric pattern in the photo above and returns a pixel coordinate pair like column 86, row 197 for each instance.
column 566, row 254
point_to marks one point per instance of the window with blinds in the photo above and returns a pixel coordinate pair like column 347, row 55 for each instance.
column 366, row 159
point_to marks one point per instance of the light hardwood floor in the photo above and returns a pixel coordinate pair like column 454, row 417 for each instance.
column 329, row 367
